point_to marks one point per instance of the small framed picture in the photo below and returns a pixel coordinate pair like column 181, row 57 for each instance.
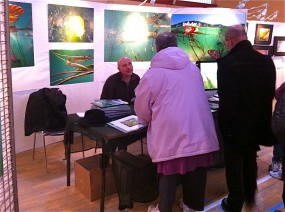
column 266, row 50
column 279, row 46
column 263, row 34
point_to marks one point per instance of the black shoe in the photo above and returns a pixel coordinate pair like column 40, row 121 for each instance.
column 124, row 206
column 225, row 205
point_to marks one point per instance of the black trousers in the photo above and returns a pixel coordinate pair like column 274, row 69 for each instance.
column 193, row 187
column 241, row 176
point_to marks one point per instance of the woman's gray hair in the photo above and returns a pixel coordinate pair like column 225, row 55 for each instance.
column 164, row 40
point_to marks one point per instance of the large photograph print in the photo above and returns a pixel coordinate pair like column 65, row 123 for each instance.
column 71, row 66
column 21, row 34
column 70, row 24
column 201, row 35
column 132, row 34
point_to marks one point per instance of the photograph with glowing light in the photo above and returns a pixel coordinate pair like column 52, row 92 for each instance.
column 21, row 34
column 202, row 35
column 71, row 66
column 70, row 24
column 132, row 34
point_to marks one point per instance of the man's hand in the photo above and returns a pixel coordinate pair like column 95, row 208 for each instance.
column 214, row 54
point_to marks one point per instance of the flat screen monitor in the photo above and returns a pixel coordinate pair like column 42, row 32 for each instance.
column 209, row 74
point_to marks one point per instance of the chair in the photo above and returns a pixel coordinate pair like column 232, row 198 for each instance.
column 44, row 134
column 46, row 114
column 58, row 133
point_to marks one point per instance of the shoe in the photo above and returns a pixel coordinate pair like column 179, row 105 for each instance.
column 123, row 207
column 225, row 205
column 183, row 206
column 276, row 175
column 276, row 166
column 153, row 208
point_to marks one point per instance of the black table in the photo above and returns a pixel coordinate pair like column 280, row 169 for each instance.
column 108, row 136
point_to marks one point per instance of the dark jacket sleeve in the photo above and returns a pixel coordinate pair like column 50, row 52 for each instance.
column 228, row 93
column 107, row 90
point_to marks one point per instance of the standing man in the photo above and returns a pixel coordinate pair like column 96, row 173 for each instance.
column 246, row 83
column 121, row 85
column 181, row 135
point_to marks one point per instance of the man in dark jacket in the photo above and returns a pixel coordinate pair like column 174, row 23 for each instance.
column 246, row 83
column 121, row 85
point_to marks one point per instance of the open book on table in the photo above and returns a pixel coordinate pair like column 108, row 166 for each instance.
column 127, row 124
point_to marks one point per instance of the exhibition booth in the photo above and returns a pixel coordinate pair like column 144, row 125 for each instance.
column 75, row 45
column 47, row 50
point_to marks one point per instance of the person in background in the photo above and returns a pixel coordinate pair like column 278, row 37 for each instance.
column 181, row 137
column 275, row 170
column 121, row 85
column 280, row 174
column 246, row 87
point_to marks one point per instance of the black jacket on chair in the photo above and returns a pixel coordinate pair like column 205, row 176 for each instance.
column 45, row 111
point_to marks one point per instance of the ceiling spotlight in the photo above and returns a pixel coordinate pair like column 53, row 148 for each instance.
column 152, row 1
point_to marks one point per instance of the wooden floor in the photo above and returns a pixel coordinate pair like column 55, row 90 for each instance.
column 39, row 191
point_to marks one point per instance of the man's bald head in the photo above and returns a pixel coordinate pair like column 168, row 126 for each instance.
column 234, row 35
column 125, row 66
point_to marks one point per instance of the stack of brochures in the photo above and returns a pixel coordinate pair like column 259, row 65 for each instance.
column 127, row 124
column 113, row 108
column 117, row 111
column 103, row 103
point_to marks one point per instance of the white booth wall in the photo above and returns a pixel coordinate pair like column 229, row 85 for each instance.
column 79, row 96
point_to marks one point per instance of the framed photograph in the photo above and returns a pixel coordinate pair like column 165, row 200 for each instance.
column 263, row 34
column 279, row 46
column 266, row 50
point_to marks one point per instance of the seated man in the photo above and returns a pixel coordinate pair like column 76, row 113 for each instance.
column 121, row 85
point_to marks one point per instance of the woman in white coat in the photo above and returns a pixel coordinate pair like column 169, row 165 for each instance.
column 181, row 136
